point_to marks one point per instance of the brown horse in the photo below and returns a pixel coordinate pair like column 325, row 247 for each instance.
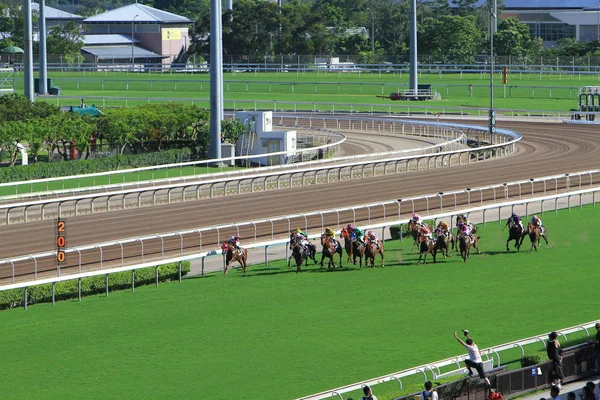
column 414, row 228
column 371, row 251
column 347, row 244
column 358, row 250
column 331, row 247
column 535, row 232
column 426, row 246
column 465, row 242
column 232, row 255
column 443, row 242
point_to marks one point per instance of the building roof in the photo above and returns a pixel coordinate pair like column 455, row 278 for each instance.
column 542, row 4
column 106, row 40
column 141, row 13
column 120, row 52
column 53, row 13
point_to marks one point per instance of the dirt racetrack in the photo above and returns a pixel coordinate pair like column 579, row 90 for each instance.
column 546, row 149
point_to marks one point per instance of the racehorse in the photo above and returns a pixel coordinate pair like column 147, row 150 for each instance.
column 347, row 244
column 414, row 230
column 371, row 250
column 310, row 248
column 473, row 226
column 516, row 233
column 426, row 246
column 535, row 232
column 232, row 255
column 443, row 242
column 465, row 243
column 329, row 250
column 300, row 254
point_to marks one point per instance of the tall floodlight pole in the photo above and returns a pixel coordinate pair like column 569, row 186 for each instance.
column 414, row 80
column 495, row 17
column 43, row 89
column 229, row 5
column 28, row 59
column 133, row 40
column 492, row 119
column 216, row 79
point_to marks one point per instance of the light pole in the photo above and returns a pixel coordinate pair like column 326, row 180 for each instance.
column 492, row 121
column 132, row 40
column 372, row 32
column 598, row 22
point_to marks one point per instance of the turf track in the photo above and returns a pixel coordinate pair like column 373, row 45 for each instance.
column 274, row 334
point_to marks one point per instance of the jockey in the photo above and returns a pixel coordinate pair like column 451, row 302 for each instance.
column 425, row 233
column 371, row 237
column 301, row 233
column 443, row 227
column 513, row 220
column 465, row 229
column 330, row 234
column 235, row 242
column 358, row 234
column 417, row 218
column 536, row 221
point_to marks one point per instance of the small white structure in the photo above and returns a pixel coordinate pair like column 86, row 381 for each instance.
column 263, row 139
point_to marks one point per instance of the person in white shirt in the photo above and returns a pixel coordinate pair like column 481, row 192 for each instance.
column 429, row 393
column 368, row 394
column 474, row 360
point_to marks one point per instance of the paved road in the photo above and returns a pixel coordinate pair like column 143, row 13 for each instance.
column 546, row 149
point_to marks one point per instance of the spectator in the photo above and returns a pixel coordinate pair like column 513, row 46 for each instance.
column 429, row 393
column 368, row 394
column 556, row 372
column 554, row 393
column 588, row 392
column 474, row 360
column 571, row 396
column 596, row 343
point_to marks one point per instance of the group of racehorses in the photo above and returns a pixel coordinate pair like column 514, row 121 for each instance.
column 442, row 239
column 428, row 241
column 355, row 248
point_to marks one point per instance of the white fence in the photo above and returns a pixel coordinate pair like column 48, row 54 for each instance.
column 434, row 367
column 103, row 258
column 505, row 144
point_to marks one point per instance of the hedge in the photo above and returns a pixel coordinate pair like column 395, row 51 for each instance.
column 93, row 285
column 78, row 167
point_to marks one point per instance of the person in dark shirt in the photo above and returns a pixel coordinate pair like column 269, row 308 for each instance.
column 556, row 372
column 596, row 343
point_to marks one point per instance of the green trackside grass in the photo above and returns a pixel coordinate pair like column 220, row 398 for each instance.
column 175, row 172
column 524, row 91
column 277, row 335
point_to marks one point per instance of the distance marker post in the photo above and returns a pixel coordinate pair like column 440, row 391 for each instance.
column 61, row 242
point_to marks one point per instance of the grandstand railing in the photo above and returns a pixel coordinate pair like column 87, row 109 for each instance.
column 103, row 258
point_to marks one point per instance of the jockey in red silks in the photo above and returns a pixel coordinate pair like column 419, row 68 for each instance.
column 425, row 232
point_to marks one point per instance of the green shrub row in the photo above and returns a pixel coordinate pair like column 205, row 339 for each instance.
column 93, row 285
column 78, row 167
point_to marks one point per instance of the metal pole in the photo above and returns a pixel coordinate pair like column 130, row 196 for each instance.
column 229, row 5
column 414, row 80
column 28, row 59
column 598, row 22
column 492, row 116
column 216, row 80
column 43, row 89
column 132, row 40
column 372, row 31
column 495, row 15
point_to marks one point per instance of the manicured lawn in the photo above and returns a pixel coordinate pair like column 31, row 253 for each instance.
column 523, row 92
column 274, row 334
column 174, row 172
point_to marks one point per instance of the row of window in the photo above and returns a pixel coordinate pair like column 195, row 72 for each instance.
column 552, row 32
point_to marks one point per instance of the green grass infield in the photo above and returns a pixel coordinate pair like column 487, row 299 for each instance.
column 524, row 91
column 275, row 334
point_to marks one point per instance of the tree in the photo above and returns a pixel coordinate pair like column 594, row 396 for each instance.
column 450, row 38
column 513, row 38
column 65, row 40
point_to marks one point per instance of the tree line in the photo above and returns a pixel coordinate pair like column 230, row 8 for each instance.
column 453, row 31
column 44, row 128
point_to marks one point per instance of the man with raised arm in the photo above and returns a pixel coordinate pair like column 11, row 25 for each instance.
column 474, row 360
